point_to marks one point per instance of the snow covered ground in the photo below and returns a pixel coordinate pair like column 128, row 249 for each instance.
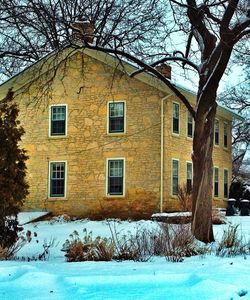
column 198, row 277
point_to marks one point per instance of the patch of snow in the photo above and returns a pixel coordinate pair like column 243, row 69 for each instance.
column 176, row 214
column 25, row 217
column 207, row 277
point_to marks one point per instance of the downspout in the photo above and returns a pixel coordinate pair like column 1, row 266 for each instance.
column 162, row 151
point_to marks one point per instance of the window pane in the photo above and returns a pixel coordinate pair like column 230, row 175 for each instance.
column 216, row 132
column 57, row 179
column 216, row 182
column 175, row 177
column 58, row 120
column 190, row 125
column 225, row 183
column 115, row 177
column 225, row 135
column 116, row 117
column 176, row 110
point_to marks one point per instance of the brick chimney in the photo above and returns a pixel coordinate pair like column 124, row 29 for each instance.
column 82, row 31
column 165, row 70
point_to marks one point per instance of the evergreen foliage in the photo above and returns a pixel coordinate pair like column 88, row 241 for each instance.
column 13, row 186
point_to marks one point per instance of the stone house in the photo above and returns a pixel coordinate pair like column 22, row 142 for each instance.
column 102, row 144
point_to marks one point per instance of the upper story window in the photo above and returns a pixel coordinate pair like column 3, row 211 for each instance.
column 57, row 180
column 189, row 124
column 225, row 135
column 189, row 182
column 216, row 182
column 58, row 120
column 216, row 132
column 176, row 118
column 116, row 115
column 175, row 176
column 115, row 176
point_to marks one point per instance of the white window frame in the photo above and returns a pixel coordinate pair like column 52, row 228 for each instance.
column 66, row 121
column 125, row 117
column 107, row 176
column 65, row 180
column 216, row 196
column 190, row 137
column 175, row 159
column 189, row 162
column 174, row 133
column 225, row 169
column 217, row 120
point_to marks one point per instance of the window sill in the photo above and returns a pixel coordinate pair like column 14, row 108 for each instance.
column 57, row 137
column 189, row 138
column 51, row 199
column 114, row 196
column 225, row 149
column 116, row 133
column 176, row 135
column 216, row 146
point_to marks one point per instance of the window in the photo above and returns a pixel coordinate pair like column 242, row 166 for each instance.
column 115, row 177
column 175, row 176
column 57, row 179
column 58, row 120
column 216, row 132
column 189, row 176
column 176, row 118
column 116, row 111
column 216, row 182
column 225, row 135
column 189, row 125
column 225, row 183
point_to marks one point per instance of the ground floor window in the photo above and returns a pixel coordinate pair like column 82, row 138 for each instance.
column 115, row 176
column 57, row 181
column 216, row 182
column 175, row 176
column 189, row 182
column 225, row 183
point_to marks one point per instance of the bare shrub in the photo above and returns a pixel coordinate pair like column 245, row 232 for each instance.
column 232, row 243
column 184, row 196
column 217, row 217
column 10, row 251
column 138, row 246
column 180, row 242
column 88, row 249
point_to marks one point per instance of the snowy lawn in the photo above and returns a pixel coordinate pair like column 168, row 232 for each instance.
column 198, row 277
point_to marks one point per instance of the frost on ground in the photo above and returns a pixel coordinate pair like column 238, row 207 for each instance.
column 207, row 277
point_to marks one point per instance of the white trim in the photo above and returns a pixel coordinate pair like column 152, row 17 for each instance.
column 187, row 114
column 107, row 169
column 172, row 116
column 65, row 180
column 125, row 117
column 176, row 159
column 66, row 121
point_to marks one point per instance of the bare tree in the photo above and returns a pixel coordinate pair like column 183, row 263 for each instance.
column 210, row 30
column 237, row 98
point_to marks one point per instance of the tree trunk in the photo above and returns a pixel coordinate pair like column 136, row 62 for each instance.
column 203, row 176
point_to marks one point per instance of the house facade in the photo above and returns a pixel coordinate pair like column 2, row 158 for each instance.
column 102, row 144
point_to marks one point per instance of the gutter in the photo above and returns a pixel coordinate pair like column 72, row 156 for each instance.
column 162, row 151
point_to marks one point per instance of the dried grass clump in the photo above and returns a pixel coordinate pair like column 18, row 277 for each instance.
column 180, row 242
column 232, row 243
column 88, row 249
column 184, row 196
